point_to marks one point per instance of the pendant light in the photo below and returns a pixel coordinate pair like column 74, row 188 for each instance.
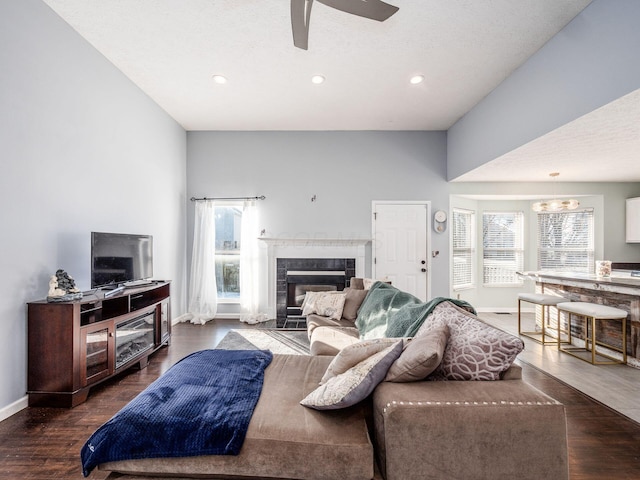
column 555, row 205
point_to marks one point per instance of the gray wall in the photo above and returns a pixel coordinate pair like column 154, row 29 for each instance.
column 82, row 149
column 589, row 63
column 345, row 170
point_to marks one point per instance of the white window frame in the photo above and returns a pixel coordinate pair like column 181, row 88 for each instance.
column 497, row 272
column 463, row 249
column 568, row 250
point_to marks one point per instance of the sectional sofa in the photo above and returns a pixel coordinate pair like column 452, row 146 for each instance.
column 364, row 408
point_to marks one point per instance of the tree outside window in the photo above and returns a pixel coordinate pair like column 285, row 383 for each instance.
column 228, row 230
column 503, row 248
column 566, row 241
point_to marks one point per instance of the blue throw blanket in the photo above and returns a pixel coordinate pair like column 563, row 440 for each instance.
column 200, row 406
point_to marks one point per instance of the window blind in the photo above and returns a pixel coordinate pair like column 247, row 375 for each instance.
column 566, row 241
column 502, row 248
column 463, row 247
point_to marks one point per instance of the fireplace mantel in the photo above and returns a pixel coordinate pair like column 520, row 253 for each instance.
column 315, row 242
column 311, row 247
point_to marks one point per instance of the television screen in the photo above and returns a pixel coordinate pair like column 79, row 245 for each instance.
column 117, row 258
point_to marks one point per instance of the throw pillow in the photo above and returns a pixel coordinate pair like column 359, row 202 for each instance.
column 367, row 283
column 353, row 300
column 420, row 356
column 476, row 350
column 355, row 384
column 330, row 305
column 353, row 354
column 309, row 305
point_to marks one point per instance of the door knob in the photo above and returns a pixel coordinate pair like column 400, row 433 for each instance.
column 423, row 270
column 423, row 262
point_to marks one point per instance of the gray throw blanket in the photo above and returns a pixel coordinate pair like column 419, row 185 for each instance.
column 389, row 312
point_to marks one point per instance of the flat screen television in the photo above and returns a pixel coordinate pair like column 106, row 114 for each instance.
column 118, row 258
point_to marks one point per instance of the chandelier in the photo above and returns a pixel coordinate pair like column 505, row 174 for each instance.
column 555, row 205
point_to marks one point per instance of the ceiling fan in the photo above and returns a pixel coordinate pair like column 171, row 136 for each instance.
column 301, row 14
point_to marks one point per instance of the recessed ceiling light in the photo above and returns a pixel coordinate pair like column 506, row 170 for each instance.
column 416, row 79
column 219, row 79
column 317, row 79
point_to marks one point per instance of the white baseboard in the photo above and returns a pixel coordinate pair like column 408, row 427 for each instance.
column 227, row 316
column 13, row 408
column 185, row 317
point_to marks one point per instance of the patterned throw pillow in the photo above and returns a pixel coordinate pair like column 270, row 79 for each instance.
column 476, row 350
column 328, row 304
column 353, row 354
column 420, row 356
column 355, row 384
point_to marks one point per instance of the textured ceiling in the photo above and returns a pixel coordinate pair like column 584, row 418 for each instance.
column 464, row 48
column 603, row 146
column 172, row 48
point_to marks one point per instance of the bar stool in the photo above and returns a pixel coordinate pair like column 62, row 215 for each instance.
column 544, row 301
column 593, row 312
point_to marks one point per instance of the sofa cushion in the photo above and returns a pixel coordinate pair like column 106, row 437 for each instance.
column 420, row 356
column 353, row 354
column 332, row 444
column 314, row 321
column 476, row 350
column 355, row 384
column 353, row 300
column 331, row 340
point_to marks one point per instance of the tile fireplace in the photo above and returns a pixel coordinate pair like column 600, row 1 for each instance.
column 296, row 276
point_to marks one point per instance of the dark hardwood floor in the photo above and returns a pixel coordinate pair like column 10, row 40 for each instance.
column 44, row 443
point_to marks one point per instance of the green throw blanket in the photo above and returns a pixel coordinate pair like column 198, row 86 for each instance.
column 389, row 312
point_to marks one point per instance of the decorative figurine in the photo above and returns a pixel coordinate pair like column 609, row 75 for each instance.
column 62, row 288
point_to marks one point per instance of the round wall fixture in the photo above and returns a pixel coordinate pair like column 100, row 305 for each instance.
column 440, row 221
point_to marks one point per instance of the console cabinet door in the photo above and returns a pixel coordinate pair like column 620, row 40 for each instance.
column 164, row 313
column 96, row 352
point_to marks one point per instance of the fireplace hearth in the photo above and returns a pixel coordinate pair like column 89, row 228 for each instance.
column 296, row 276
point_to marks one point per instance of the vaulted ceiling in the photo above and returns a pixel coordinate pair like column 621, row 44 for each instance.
column 172, row 49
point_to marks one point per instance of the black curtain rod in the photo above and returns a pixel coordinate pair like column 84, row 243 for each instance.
column 194, row 199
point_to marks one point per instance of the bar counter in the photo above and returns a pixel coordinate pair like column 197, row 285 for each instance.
column 620, row 290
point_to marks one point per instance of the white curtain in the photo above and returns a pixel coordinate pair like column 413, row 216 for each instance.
column 249, row 266
column 203, row 295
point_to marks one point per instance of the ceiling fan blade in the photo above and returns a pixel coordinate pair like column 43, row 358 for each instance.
column 300, row 16
column 373, row 9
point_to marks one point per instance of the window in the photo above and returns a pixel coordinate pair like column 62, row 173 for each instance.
column 502, row 248
column 228, row 222
column 463, row 248
column 566, row 241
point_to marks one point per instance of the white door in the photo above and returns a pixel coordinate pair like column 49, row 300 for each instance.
column 400, row 246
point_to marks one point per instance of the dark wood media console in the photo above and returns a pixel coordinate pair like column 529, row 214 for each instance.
column 76, row 345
